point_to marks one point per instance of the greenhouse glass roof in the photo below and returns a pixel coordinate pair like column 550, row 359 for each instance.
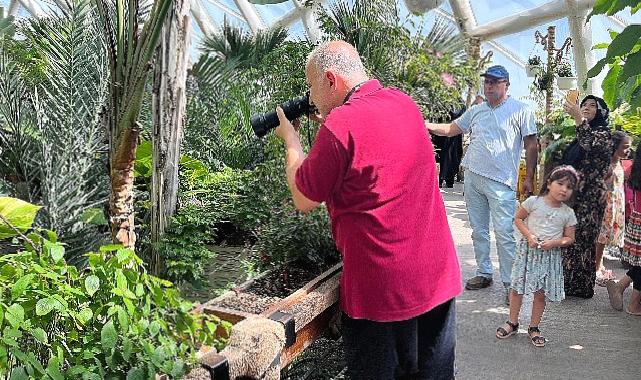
column 501, row 24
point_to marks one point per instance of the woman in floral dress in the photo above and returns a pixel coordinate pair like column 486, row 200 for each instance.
column 613, row 226
column 590, row 153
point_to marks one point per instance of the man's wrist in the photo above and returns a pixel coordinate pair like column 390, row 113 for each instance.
column 292, row 141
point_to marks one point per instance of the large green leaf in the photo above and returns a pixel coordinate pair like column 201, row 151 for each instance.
column 15, row 315
column 624, row 41
column 631, row 67
column 21, row 285
column 19, row 214
column 92, row 284
column 108, row 336
column 609, row 84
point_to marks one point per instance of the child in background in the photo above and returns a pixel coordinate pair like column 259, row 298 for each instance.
column 547, row 225
column 632, row 248
column 613, row 225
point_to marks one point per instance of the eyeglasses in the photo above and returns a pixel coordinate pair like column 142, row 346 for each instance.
column 493, row 82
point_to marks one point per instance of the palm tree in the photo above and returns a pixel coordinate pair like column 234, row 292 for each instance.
column 132, row 34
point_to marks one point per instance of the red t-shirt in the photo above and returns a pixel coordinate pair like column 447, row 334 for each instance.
column 373, row 165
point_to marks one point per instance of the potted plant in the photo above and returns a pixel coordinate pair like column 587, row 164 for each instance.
column 533, row 66
column 543, row 81
column 566, row 80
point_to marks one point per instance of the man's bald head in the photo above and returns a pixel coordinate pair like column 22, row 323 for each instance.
column 338, row 56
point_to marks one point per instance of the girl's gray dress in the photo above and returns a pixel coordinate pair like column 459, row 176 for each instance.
column 535, row 269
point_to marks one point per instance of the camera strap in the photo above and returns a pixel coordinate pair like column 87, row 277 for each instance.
column 352, row 91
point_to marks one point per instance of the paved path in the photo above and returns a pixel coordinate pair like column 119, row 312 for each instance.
column 586, row 338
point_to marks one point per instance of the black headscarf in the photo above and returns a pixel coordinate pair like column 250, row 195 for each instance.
column 574, row 153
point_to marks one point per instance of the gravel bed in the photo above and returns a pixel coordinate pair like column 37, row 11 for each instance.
column 285, row 280
column 247, row 302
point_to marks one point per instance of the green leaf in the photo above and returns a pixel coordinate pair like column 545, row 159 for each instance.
column 53, row 369
column 600, row 7
column 19, row 214
column 19, row 373
column 620, row 5
column 602, row 45
column 45, row 305
column 127, row 348
column 85, row 315
column 110, row 247
column 123, row 320
column 136, row 374
column 596, row 69
column 108, row 336
column 95, row 216
column 609, row 84
column 92, row 284
column 55, row 250
column 21, row 285
column 40, row 335
column 121, row 280
column 154, row 328
column 631, row 67
column 15, row 315
column 122, row 255
column 625, row 41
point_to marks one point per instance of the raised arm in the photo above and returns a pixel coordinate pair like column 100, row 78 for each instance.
column 444, row 129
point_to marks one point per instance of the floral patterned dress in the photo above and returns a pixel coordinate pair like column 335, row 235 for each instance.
column 613, row 227
column 579, row 260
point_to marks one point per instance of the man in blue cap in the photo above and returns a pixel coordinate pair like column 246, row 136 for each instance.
column 499, row 129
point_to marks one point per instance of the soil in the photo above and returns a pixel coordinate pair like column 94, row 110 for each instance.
column 322, row 360
column 285, row 280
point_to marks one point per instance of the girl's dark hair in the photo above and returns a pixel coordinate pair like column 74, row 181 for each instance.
column 635, row 171
column 558, row 173
column 617, row 138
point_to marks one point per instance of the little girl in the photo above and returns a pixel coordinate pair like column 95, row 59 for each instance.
column 547, row 225
column 613, row 225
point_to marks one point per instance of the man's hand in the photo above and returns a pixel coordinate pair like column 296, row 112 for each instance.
column 528, row 186
column 287, row 131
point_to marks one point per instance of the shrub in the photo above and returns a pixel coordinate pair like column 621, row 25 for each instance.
column 112, row 320
column 534, row 60
column 564, row 69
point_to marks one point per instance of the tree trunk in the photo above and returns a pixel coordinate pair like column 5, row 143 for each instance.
column 169, row 104
column 121, row 199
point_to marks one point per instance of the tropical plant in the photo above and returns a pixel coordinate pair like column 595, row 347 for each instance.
column 111, row 320
column 58, row 151
column 534, row 60
column 132, row 33
column 623, row 58
column 564, row 69
column 72, row 145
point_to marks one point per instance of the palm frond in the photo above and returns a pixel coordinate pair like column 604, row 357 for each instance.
column 67, row 101
column 443, row 38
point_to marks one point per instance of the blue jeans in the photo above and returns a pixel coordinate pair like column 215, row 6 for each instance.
column 487, row 198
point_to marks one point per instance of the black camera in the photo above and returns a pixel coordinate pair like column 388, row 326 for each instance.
column 263, row 122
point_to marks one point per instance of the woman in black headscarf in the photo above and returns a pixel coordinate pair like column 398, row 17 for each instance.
column 590, row 153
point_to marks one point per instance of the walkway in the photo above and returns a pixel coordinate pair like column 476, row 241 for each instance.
column 586, row 338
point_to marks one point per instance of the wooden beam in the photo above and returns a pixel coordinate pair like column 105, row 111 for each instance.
column 14, row 6
column 33, row 8
column 528, row 19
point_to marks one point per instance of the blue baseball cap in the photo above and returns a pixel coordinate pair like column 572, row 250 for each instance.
column 498, row 72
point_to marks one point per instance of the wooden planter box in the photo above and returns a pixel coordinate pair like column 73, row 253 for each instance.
column 304, row 314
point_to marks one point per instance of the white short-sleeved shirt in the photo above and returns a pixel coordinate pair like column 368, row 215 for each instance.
column 546, row 222
column 496, row 139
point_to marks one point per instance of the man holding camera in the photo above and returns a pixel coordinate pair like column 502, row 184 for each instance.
column 373, row 165
column 499, row 128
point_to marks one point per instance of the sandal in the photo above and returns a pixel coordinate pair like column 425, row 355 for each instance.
column 502, row 333
column 537, row 340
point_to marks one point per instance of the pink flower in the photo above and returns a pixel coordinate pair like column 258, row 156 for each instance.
column 447, row 78
column 439, row 54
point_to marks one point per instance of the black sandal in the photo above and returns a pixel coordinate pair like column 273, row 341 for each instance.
column 502, row 333
column 537, row 340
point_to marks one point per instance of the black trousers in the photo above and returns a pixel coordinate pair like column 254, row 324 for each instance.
column 635, row 274
column 419, row 348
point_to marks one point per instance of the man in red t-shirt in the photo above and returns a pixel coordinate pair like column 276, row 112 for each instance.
column 373, row 165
